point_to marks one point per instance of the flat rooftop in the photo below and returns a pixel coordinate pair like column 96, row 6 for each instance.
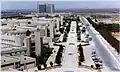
column 7, row 60
column 12, row 49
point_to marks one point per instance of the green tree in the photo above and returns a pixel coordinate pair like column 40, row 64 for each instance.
column 51, row 63
column 45, row 65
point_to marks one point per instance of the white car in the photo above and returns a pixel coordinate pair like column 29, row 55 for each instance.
column 93, row 51
column 84, row 40
column 100, row 63
column 80, row 28
column 90, row 38
column 80, row 24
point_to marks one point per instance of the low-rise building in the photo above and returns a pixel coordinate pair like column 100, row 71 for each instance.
column 17, row 62
column 13, row 51
column 9, row 62
column 22, row 38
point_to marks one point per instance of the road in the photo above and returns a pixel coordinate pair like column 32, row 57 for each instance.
column 102, row 49
column 70, row 57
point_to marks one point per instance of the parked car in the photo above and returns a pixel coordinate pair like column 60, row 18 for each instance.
column 90, row 38
column 70, row 54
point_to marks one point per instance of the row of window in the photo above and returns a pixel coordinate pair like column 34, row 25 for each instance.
column 15, row 53
column 16, row 34
column 20, row 64
column 8, row 40
column 11, row 54
column 7, row 44
column 21, row 33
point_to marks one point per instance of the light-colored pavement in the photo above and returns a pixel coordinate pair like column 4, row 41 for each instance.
column 68, row 70
column 70, row 57
column 87, row 54
column 102, row 49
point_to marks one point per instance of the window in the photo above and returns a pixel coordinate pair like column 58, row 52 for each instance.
column 4, row 60
column 23, row 44
column 10, row 54
column 14, row 29
column 4, row 24
column 17, row 64
column 15, row 52
column 25, row 51
column 56, row 30
column 29, row 22
column 24, row 58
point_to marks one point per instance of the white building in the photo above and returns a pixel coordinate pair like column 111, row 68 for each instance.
column 8, row 41
column 13, row 51
column 17, row 62
column 15, row 43
column 9, row 62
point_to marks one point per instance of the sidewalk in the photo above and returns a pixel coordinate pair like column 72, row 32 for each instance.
column 70, row 56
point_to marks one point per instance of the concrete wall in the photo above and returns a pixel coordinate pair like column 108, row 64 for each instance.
column 37, row 43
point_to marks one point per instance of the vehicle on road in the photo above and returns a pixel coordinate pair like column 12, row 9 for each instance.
column 71, row 44
column 96, row 59
column 84, row 40
column 70, row 54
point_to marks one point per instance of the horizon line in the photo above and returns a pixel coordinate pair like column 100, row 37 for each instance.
column 64, row 8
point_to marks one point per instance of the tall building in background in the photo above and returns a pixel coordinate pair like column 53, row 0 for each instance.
column 41, row 8
column 50, row 8
column 45, row 8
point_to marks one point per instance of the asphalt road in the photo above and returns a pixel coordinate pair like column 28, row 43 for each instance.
column 107, row 57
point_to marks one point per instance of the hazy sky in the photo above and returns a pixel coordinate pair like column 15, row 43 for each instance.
column 8, row 5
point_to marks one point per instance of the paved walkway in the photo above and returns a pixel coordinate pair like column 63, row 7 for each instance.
column 70, row 58
column 87, row 50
